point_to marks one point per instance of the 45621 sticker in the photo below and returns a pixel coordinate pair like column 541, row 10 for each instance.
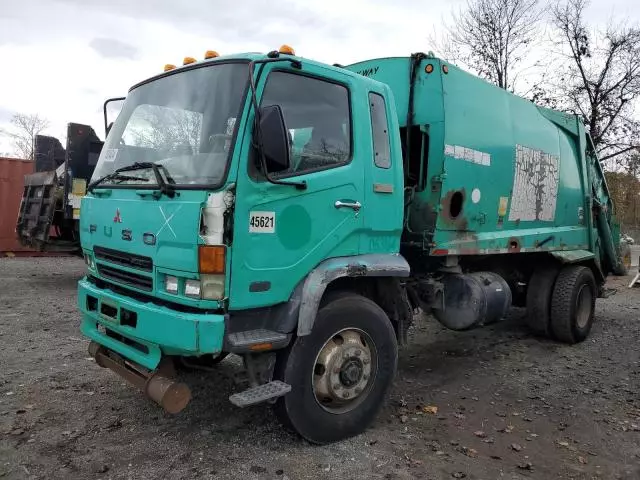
column 262, row 222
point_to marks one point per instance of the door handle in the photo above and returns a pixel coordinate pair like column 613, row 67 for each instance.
column 353, row 205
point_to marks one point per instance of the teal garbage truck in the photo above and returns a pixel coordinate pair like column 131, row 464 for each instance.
column 299, row 215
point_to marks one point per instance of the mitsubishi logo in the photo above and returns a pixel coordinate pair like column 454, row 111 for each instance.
column 117, row 218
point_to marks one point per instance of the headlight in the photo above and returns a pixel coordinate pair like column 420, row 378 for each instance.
column 212, row 287
column 192, row 288
column 171, row 284
column 88, row 260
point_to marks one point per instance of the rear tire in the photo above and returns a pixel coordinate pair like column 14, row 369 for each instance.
column 341, row 373
column 573, row 304
column 539, row 292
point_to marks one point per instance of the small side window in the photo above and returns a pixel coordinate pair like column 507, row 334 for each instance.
column 380, row 129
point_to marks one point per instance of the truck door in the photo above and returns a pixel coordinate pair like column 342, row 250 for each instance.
column 281, row 233
column 383, row 182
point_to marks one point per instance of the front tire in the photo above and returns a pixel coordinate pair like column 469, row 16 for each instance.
column 341, row 373
column 573, row 304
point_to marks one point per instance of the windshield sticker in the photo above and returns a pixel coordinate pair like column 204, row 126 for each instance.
column 231, row 124
column 110, row 154
column 262, row 222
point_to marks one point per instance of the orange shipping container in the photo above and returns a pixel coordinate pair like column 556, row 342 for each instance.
column 12, row 172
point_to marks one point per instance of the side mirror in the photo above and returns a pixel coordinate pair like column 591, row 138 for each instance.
column 108, row 130
column 275, row 139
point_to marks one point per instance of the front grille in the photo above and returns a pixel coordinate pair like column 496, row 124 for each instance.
column 125, row 259
column 141, row 282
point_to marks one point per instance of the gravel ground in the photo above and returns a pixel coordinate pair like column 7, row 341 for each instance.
column 494, row 403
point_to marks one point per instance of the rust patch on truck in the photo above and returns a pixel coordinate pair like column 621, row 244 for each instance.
column 513, row 245
column 452, row 209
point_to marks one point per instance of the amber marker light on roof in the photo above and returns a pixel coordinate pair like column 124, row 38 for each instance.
column 287, row 50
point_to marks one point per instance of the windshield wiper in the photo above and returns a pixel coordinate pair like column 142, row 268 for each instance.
column 167, row 187
column 115, row 176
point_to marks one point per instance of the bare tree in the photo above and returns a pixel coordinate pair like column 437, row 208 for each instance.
column 165, row 129
column 24, row 129
column 492, row 37
column 599, row 78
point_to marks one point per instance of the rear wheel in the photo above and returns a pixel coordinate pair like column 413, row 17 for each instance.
column 573, row 304
column 539, row 293
column 340, row 373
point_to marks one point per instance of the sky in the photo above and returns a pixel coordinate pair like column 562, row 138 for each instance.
column 62, row 58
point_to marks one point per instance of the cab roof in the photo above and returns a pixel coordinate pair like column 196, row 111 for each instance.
column 248, row 57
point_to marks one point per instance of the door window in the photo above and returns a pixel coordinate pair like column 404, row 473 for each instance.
column 380, row 130
column 317, row 116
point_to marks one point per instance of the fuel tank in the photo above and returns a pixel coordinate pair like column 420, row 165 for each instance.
column 473, row 300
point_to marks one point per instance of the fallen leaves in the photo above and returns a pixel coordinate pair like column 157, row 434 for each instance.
column 567, row 445
column 432, row 409
column 506, row 429
column 469, row 452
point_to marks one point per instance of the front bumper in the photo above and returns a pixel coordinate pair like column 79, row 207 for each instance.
column 145, row 331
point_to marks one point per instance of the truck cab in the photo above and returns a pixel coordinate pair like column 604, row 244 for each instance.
column 228, row 193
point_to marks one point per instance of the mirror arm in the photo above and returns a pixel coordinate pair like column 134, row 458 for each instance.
column 104, row 111
column 254, row 100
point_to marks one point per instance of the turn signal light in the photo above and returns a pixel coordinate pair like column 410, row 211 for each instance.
column 211, row 54
column 287, row 50
column 169, row 66
column 188, row 60
column 211, row 258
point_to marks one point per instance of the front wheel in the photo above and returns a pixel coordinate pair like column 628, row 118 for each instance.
column 341, row 373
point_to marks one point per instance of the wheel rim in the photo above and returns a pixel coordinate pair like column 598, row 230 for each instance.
column 344, row 370
column 584, row 302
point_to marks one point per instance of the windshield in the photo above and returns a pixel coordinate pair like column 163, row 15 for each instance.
column 184, row 122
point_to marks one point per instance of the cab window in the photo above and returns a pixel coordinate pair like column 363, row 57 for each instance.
column 380, row 131
column 317, row 116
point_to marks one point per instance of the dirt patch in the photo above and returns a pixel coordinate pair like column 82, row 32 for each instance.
column 486, row 404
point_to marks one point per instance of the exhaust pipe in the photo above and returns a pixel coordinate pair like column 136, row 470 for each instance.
column 171, row 395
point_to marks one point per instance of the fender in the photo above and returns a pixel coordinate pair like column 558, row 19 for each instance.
column 369, row 265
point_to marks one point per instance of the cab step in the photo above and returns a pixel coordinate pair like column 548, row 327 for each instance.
column 243, row 342
column 259, row 394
